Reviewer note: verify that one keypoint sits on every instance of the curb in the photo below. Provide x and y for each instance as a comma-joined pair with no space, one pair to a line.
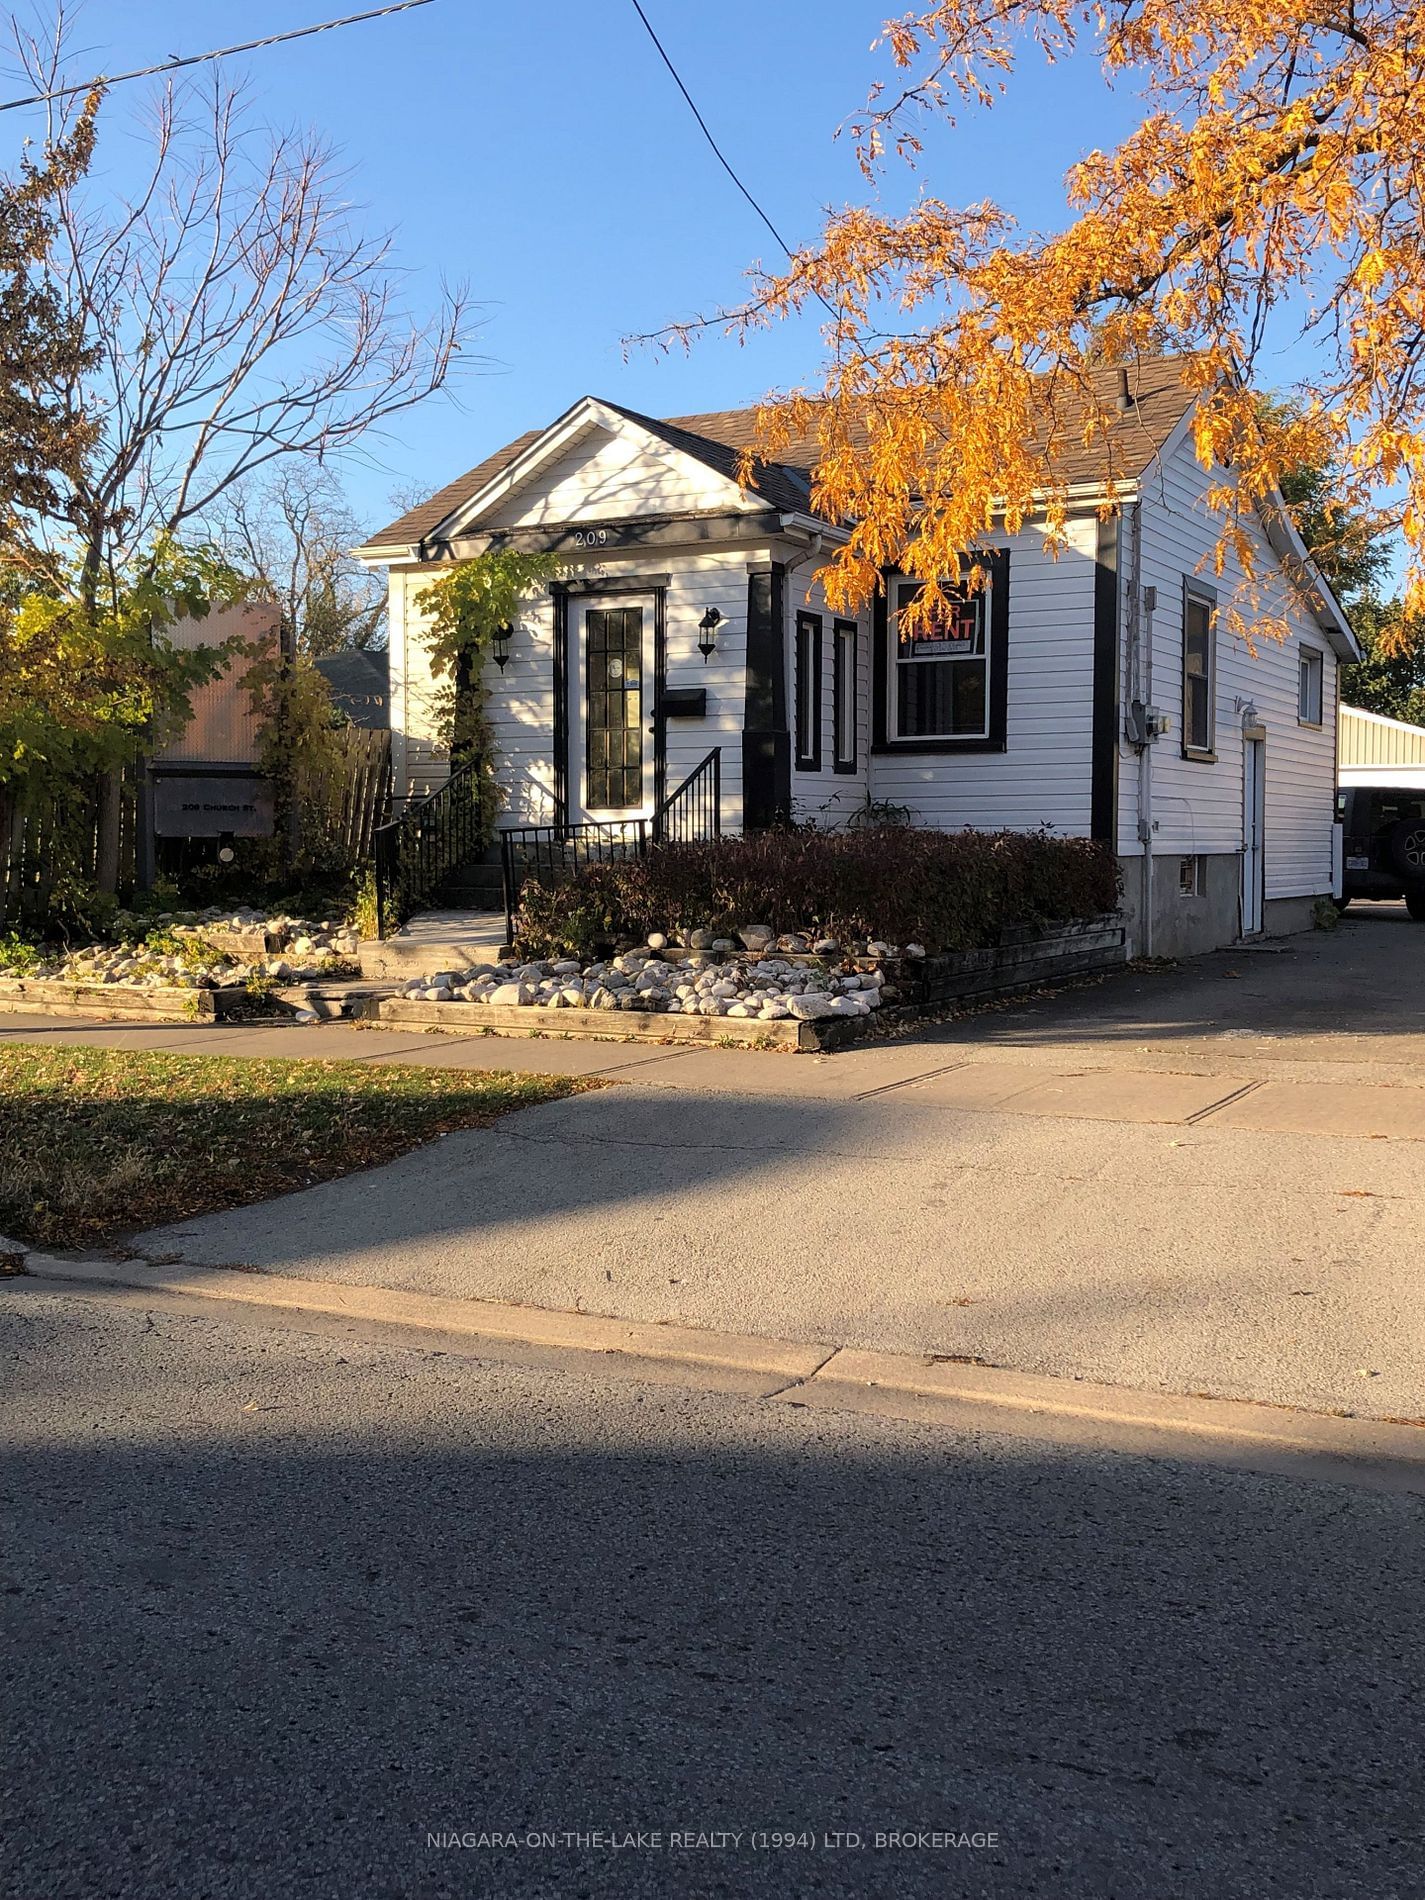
919,1388
783,1361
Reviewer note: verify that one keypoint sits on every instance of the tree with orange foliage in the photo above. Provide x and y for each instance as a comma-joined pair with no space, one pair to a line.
1278,173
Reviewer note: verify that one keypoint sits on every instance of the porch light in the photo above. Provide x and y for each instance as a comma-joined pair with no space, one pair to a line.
707,627
503,636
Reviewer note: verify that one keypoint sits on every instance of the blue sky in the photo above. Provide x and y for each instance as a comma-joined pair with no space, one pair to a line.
542,154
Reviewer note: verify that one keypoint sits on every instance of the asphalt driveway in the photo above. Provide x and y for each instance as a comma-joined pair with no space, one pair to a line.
1205,1179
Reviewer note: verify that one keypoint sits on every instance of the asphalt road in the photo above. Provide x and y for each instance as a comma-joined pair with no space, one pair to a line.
279,1608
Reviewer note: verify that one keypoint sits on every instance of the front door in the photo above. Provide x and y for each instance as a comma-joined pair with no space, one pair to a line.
613,749
1254,809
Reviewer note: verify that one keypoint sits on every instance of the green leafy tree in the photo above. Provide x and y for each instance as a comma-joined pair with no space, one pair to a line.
464,609
44,438
1391,678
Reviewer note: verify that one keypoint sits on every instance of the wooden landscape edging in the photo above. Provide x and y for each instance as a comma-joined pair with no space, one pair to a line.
39,996
926,985
609,1025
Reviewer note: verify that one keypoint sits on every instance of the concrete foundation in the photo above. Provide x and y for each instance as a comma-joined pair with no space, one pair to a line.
1187,925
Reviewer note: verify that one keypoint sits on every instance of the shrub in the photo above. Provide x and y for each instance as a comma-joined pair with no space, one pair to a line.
947,890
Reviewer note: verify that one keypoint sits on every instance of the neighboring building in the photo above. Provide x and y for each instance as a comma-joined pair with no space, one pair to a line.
206,783
1036,705
1375,750
358,679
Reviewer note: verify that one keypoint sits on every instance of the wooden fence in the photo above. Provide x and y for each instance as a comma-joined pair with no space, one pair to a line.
365,796
57,843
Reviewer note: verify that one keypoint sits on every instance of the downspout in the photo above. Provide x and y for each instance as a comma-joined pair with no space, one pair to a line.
1148,600
1140,672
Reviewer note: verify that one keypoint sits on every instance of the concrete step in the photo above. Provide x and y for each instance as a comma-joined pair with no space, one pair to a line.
476,888
334,1002
435,940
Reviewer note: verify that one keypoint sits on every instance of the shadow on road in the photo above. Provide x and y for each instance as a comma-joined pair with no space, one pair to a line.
271,1621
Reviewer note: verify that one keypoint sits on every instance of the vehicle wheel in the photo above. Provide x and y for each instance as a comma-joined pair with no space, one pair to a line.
1415,904
1407,848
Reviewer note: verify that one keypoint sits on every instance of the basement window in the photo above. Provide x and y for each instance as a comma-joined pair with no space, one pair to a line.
1192,876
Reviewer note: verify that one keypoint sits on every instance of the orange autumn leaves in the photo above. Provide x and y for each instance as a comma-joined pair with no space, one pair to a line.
1271,191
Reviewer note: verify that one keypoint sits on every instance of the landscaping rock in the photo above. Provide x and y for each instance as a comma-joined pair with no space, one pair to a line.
507,995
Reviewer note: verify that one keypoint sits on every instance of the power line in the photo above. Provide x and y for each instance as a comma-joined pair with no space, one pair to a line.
222,52
703,127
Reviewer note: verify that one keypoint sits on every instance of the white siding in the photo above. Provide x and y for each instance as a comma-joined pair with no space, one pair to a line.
1043,777
699,580
521,699
827,797
418,763
607,477
1197,805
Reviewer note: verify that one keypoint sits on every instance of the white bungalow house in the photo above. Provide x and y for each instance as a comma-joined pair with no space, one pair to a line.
1092,694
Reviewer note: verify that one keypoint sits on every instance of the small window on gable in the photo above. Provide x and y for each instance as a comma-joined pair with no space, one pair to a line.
808,701
1199,672
1308,686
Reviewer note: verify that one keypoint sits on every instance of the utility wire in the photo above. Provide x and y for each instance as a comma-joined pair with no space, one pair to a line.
222,52
703,127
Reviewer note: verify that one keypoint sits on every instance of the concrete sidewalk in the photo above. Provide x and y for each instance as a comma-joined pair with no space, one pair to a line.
1112,1183
960,1072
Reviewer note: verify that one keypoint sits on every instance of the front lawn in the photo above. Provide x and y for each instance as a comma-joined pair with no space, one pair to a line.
94,1142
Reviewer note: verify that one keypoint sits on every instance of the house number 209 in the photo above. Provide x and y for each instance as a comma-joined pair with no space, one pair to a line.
591,537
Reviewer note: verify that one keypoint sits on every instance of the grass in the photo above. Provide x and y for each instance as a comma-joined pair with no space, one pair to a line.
98,1142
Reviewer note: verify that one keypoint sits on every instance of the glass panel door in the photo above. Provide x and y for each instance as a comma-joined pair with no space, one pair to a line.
613,709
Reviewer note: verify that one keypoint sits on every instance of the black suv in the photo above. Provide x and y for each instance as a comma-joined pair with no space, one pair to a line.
1384,830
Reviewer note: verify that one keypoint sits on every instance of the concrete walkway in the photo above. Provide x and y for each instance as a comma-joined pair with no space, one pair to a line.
1203,1181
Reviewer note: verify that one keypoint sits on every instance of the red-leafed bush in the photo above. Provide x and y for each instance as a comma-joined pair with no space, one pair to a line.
955,890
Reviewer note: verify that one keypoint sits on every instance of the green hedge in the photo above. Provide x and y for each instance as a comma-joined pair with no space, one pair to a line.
955,890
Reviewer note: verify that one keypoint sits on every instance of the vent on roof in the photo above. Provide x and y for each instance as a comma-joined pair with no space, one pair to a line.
1126,398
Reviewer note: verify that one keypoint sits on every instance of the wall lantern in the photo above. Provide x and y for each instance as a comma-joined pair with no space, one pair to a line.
503,636
707,627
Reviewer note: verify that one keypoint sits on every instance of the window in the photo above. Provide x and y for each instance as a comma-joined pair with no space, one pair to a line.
1192,877
1308,687
843,695
808,692
1199,671
940,672
613,709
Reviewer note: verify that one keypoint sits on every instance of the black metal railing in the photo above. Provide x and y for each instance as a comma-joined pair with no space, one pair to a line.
693,812
416,854
549,854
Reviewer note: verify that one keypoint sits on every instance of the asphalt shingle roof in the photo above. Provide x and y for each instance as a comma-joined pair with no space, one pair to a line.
717,438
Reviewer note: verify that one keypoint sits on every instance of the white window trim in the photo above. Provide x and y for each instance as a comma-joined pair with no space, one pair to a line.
1195,593
985,658
1311,663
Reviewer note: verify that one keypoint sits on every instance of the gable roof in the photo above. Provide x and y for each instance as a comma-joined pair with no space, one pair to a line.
717,438
359,680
